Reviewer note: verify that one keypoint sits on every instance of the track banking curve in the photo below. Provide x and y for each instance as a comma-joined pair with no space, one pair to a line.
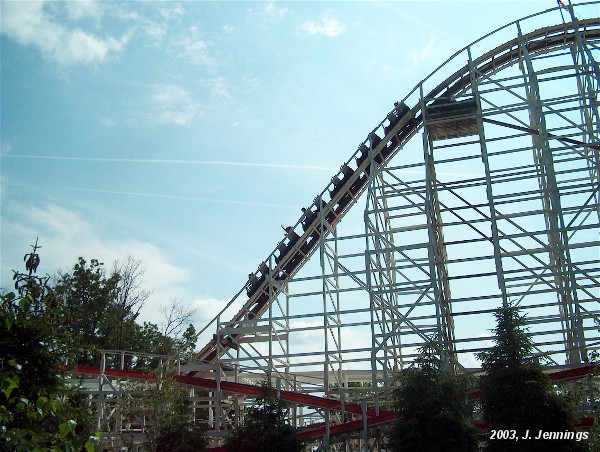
378,149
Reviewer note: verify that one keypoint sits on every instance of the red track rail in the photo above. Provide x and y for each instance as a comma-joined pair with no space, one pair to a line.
373,419
297,397
237,388
560,375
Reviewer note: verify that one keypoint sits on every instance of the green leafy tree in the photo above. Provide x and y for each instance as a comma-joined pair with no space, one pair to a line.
149,339
186,344
40,409
101,310
173,338
265,428
168,417
431,408
517,397
86,297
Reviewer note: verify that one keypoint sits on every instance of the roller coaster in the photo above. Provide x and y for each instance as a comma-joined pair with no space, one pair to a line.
496,204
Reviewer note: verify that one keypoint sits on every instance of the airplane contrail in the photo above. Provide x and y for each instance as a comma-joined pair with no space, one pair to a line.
173,161
212,162
178,197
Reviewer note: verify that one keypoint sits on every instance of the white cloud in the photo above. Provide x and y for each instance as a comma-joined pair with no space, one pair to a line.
208,308
272,10
196,50
250,84
65,235
82,9
328,169
107,121
219,89
266,12
192,48
59,222
470,361
173,11
30,24
155,31
173,105
328,26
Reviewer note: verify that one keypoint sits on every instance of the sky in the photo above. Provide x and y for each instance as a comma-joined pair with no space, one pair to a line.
184,134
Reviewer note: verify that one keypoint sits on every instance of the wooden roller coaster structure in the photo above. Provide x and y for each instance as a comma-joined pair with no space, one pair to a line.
451,111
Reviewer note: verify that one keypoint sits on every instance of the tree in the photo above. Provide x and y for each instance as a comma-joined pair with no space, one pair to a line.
517,397
88,309
431,408
86,296
39,409
176,315
169,424
178,329
129,298
265,428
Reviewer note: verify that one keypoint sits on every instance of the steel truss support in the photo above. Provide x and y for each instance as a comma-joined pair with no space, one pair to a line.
588,74
558,240
493,214
332,340
256,345
381,282
497,204
438,256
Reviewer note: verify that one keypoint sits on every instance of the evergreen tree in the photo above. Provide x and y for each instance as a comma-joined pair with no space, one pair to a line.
431,408
517,397
265,428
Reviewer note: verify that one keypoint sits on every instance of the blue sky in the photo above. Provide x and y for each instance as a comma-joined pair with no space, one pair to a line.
184,134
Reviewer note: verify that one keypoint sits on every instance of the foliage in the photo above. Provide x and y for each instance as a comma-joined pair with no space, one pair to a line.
86,297
182,438
39,409
431,408
100,311
517,395
150,339
43,327
167,416
265,428
587,392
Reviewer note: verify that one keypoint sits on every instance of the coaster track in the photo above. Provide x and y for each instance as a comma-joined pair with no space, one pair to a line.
399,126
369,417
